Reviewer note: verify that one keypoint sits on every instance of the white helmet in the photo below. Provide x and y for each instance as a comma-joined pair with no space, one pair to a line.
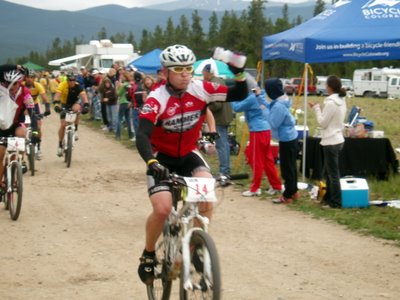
13,76
177,55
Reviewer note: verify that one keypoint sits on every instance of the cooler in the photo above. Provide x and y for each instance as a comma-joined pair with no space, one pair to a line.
354,192
301,131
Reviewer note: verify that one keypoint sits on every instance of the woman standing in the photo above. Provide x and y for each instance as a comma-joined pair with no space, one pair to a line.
283,129
331,120
258,152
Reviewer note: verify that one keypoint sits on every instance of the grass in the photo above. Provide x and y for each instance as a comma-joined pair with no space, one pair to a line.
380,222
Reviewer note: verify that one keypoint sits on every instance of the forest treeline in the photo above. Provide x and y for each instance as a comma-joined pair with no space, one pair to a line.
241,31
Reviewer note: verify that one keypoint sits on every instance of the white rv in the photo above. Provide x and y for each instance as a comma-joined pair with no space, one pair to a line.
375,82
97,54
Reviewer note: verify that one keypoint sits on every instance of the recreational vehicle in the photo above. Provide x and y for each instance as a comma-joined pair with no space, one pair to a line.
375,82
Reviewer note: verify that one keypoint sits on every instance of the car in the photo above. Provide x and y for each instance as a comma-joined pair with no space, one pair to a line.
293,86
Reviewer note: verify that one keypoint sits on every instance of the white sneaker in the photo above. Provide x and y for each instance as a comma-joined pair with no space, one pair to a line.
38,155
133,139
251,194
76,136
272,191
60,151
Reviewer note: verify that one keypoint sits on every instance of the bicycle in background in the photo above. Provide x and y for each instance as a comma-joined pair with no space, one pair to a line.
12,195
69,135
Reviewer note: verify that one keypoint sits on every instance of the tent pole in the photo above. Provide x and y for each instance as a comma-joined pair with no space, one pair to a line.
303,170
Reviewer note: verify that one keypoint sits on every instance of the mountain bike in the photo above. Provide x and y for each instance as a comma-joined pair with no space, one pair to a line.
31,147
184,250
69,135
12,195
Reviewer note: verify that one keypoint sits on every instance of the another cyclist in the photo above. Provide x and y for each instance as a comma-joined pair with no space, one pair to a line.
37,89
11,77
169,126
68,96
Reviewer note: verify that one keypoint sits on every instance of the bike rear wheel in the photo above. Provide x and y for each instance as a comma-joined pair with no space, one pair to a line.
204,272
68,154
161,287
14,196
31,158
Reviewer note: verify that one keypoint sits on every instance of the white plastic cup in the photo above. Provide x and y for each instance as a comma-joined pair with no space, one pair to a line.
237,60
226,56
218,53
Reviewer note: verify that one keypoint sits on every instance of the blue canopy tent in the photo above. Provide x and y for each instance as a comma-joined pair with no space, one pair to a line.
148,63
347,31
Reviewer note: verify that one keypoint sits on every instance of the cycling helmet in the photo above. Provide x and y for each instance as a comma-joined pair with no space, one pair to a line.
12,76
177,55
32,73
71,76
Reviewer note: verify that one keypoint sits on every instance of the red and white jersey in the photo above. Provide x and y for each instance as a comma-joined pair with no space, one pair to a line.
177,119
24,100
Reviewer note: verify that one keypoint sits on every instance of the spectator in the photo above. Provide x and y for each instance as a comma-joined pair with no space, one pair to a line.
124,105
283,129
223,115
331,120
137,95
110,99
258,151
148,83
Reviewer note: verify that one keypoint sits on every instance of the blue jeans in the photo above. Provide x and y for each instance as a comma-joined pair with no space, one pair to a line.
333,196
124,113
112,116
135,119
222,145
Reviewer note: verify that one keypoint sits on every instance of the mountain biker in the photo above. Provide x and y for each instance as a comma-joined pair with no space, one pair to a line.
68,96
11,77
169,126
36,89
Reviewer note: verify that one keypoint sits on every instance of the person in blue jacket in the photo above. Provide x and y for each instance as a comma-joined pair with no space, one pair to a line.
258,151
283,129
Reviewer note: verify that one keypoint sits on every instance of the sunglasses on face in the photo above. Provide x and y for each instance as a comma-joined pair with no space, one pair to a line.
178,69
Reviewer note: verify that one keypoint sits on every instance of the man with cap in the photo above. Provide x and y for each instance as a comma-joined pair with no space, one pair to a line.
223,115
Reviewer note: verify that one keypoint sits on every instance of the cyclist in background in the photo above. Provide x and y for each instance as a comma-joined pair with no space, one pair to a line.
11,77
68,96
169,126
36,89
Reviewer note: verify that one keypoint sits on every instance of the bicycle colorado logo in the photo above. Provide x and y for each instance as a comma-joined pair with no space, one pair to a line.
381,9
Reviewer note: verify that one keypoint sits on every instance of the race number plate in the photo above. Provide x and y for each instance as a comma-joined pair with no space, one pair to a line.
200,189
70,117
15,144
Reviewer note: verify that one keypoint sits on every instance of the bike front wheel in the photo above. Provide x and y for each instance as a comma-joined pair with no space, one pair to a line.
160,289
31,158
204,280
14,195
68,154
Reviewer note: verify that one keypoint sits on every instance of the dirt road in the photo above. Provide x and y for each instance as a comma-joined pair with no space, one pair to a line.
81,232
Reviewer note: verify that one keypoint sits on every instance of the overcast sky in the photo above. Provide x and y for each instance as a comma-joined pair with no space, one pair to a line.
83,4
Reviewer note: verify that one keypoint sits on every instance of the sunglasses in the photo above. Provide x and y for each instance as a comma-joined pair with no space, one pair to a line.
188,69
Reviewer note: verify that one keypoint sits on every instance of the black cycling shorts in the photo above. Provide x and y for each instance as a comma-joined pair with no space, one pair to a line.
10,131
184,166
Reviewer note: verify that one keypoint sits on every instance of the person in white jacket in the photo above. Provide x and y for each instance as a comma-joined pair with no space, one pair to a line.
331,120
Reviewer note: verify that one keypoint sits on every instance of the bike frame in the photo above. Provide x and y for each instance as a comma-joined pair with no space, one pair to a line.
185,217
11,157
70,118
